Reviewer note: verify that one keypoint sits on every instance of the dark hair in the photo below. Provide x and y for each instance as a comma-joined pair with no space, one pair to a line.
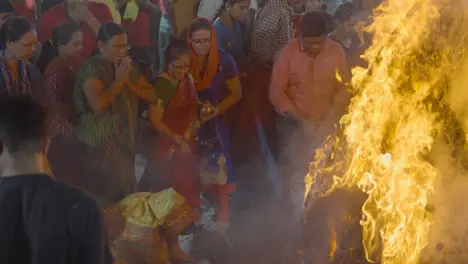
108,30
344,12
324,7
22,124
221,9
174,50
199,24
313,25
13,30
224,6
6,7
62,34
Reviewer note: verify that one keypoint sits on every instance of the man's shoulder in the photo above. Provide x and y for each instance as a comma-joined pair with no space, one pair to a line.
100,11
333,44
277,5
291,46
95,6
55,13
43,189
70,194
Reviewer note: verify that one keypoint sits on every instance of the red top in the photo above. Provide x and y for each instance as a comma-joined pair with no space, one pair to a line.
138,31
22,10
58,15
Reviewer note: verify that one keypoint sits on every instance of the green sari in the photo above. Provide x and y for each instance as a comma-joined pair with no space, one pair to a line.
108,135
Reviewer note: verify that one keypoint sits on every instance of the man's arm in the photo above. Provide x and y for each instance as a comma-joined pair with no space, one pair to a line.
150,6
284,30
342,97
98,14
279,84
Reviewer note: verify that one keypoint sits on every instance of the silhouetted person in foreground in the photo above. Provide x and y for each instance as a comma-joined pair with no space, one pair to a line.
41,220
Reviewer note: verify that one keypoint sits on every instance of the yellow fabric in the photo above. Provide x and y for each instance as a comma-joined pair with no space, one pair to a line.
131,10
150,209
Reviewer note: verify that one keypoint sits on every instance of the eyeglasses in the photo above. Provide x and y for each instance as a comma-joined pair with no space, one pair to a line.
200,42
124,47
180,67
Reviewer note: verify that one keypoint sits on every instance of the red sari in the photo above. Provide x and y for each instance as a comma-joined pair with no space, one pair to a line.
64,151
167,166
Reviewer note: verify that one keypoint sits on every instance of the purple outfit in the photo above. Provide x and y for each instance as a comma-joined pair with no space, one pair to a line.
213,137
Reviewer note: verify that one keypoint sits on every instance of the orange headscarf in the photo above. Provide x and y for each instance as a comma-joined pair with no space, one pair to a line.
203,82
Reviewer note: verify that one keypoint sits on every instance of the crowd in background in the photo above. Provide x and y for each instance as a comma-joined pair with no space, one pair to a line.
221,98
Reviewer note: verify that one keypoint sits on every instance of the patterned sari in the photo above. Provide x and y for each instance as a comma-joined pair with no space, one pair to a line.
108,135
65,151
167,166
17,81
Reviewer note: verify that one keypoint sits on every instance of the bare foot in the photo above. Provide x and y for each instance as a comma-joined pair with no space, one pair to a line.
178,254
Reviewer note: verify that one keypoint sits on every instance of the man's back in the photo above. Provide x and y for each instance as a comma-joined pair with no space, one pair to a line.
45,221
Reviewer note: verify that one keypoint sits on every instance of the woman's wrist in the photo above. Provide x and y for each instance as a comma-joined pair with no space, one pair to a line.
178,140
216,111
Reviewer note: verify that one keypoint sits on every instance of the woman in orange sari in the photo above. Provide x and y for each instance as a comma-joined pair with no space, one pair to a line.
171,159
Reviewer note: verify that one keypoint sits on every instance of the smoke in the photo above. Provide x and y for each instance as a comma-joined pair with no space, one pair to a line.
448,236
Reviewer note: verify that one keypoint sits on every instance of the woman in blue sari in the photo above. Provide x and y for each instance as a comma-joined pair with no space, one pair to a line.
218,86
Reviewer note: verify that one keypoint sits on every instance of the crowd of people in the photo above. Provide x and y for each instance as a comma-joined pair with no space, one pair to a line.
200,89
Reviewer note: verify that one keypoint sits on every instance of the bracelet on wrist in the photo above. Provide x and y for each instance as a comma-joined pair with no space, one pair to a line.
180,142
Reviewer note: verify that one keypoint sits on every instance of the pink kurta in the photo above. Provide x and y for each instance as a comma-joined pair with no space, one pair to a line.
309,85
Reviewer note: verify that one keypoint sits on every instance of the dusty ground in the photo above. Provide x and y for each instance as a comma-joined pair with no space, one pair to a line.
259,231
257,236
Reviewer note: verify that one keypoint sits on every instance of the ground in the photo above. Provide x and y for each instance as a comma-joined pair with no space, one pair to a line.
259,232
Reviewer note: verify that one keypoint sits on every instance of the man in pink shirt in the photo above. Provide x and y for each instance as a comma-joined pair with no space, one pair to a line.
308,90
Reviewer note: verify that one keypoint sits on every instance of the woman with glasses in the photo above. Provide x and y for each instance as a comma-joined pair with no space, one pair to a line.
105,96
18,39
217,83
171,159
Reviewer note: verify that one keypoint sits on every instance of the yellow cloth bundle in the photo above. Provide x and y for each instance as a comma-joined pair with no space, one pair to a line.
131,10
150,209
